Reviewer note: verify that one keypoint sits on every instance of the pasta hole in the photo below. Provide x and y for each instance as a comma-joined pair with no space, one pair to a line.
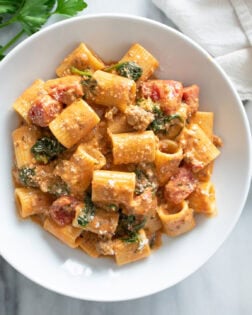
168,146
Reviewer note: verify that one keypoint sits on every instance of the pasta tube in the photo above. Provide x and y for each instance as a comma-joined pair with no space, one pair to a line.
74,123
66,89
111,90
205,121
133,147
103,223
24,101
202,200
88,242
129,252
67,234
81,58
167,160
142,58
199,150
113,187
31,201
78,171
23,139
176,222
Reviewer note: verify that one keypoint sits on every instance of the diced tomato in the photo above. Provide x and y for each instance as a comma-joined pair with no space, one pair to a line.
43,110
66,93
62,211
180,186
167,93
191,98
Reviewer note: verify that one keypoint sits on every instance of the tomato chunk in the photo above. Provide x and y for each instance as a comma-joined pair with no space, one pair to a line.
167,93
62,211
191,98
43,110
180,186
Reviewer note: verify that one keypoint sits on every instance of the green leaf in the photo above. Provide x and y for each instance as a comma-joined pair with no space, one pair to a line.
9,6
1,55
128,226
132,238
84,73
46,149
88,212
27,176
70,7
170,125
34,14
127,69
59,188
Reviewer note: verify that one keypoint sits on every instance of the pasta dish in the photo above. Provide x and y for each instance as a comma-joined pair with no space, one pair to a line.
108,158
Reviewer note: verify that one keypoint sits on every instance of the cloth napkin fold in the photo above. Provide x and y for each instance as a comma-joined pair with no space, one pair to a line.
223,28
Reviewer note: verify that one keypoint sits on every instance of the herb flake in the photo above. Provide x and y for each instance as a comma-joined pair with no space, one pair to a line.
127,69
47,149
88,212
26,176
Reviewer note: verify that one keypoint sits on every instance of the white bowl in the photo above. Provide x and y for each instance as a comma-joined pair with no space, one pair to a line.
48,262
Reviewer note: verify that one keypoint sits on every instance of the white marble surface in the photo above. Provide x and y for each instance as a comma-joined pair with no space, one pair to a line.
221,286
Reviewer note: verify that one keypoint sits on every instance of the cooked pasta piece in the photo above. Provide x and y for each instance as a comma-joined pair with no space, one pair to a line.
111,90
133,147
143,204
96,154
142,58
205,174
199,150
155,239
66,89
31,201
102,223
118,123
81,58
113,187
202,200
23,139
126,252
88,243
167,160
73,123
153,222
177,219
205,121
67,234
24,101
78,171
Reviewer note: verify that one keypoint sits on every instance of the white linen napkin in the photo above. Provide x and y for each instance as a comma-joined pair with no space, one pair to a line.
223,28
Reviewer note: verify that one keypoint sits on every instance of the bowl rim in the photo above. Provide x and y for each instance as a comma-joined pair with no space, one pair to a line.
147,292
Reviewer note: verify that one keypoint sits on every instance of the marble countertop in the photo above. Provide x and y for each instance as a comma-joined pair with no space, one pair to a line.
222,286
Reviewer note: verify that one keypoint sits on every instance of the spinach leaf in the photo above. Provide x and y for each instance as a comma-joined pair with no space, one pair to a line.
88,212
47,149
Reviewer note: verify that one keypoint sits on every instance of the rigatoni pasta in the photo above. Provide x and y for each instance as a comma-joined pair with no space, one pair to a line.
143,58
133,147
75,122
23,139
81,58
108,158
111,90
25,100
